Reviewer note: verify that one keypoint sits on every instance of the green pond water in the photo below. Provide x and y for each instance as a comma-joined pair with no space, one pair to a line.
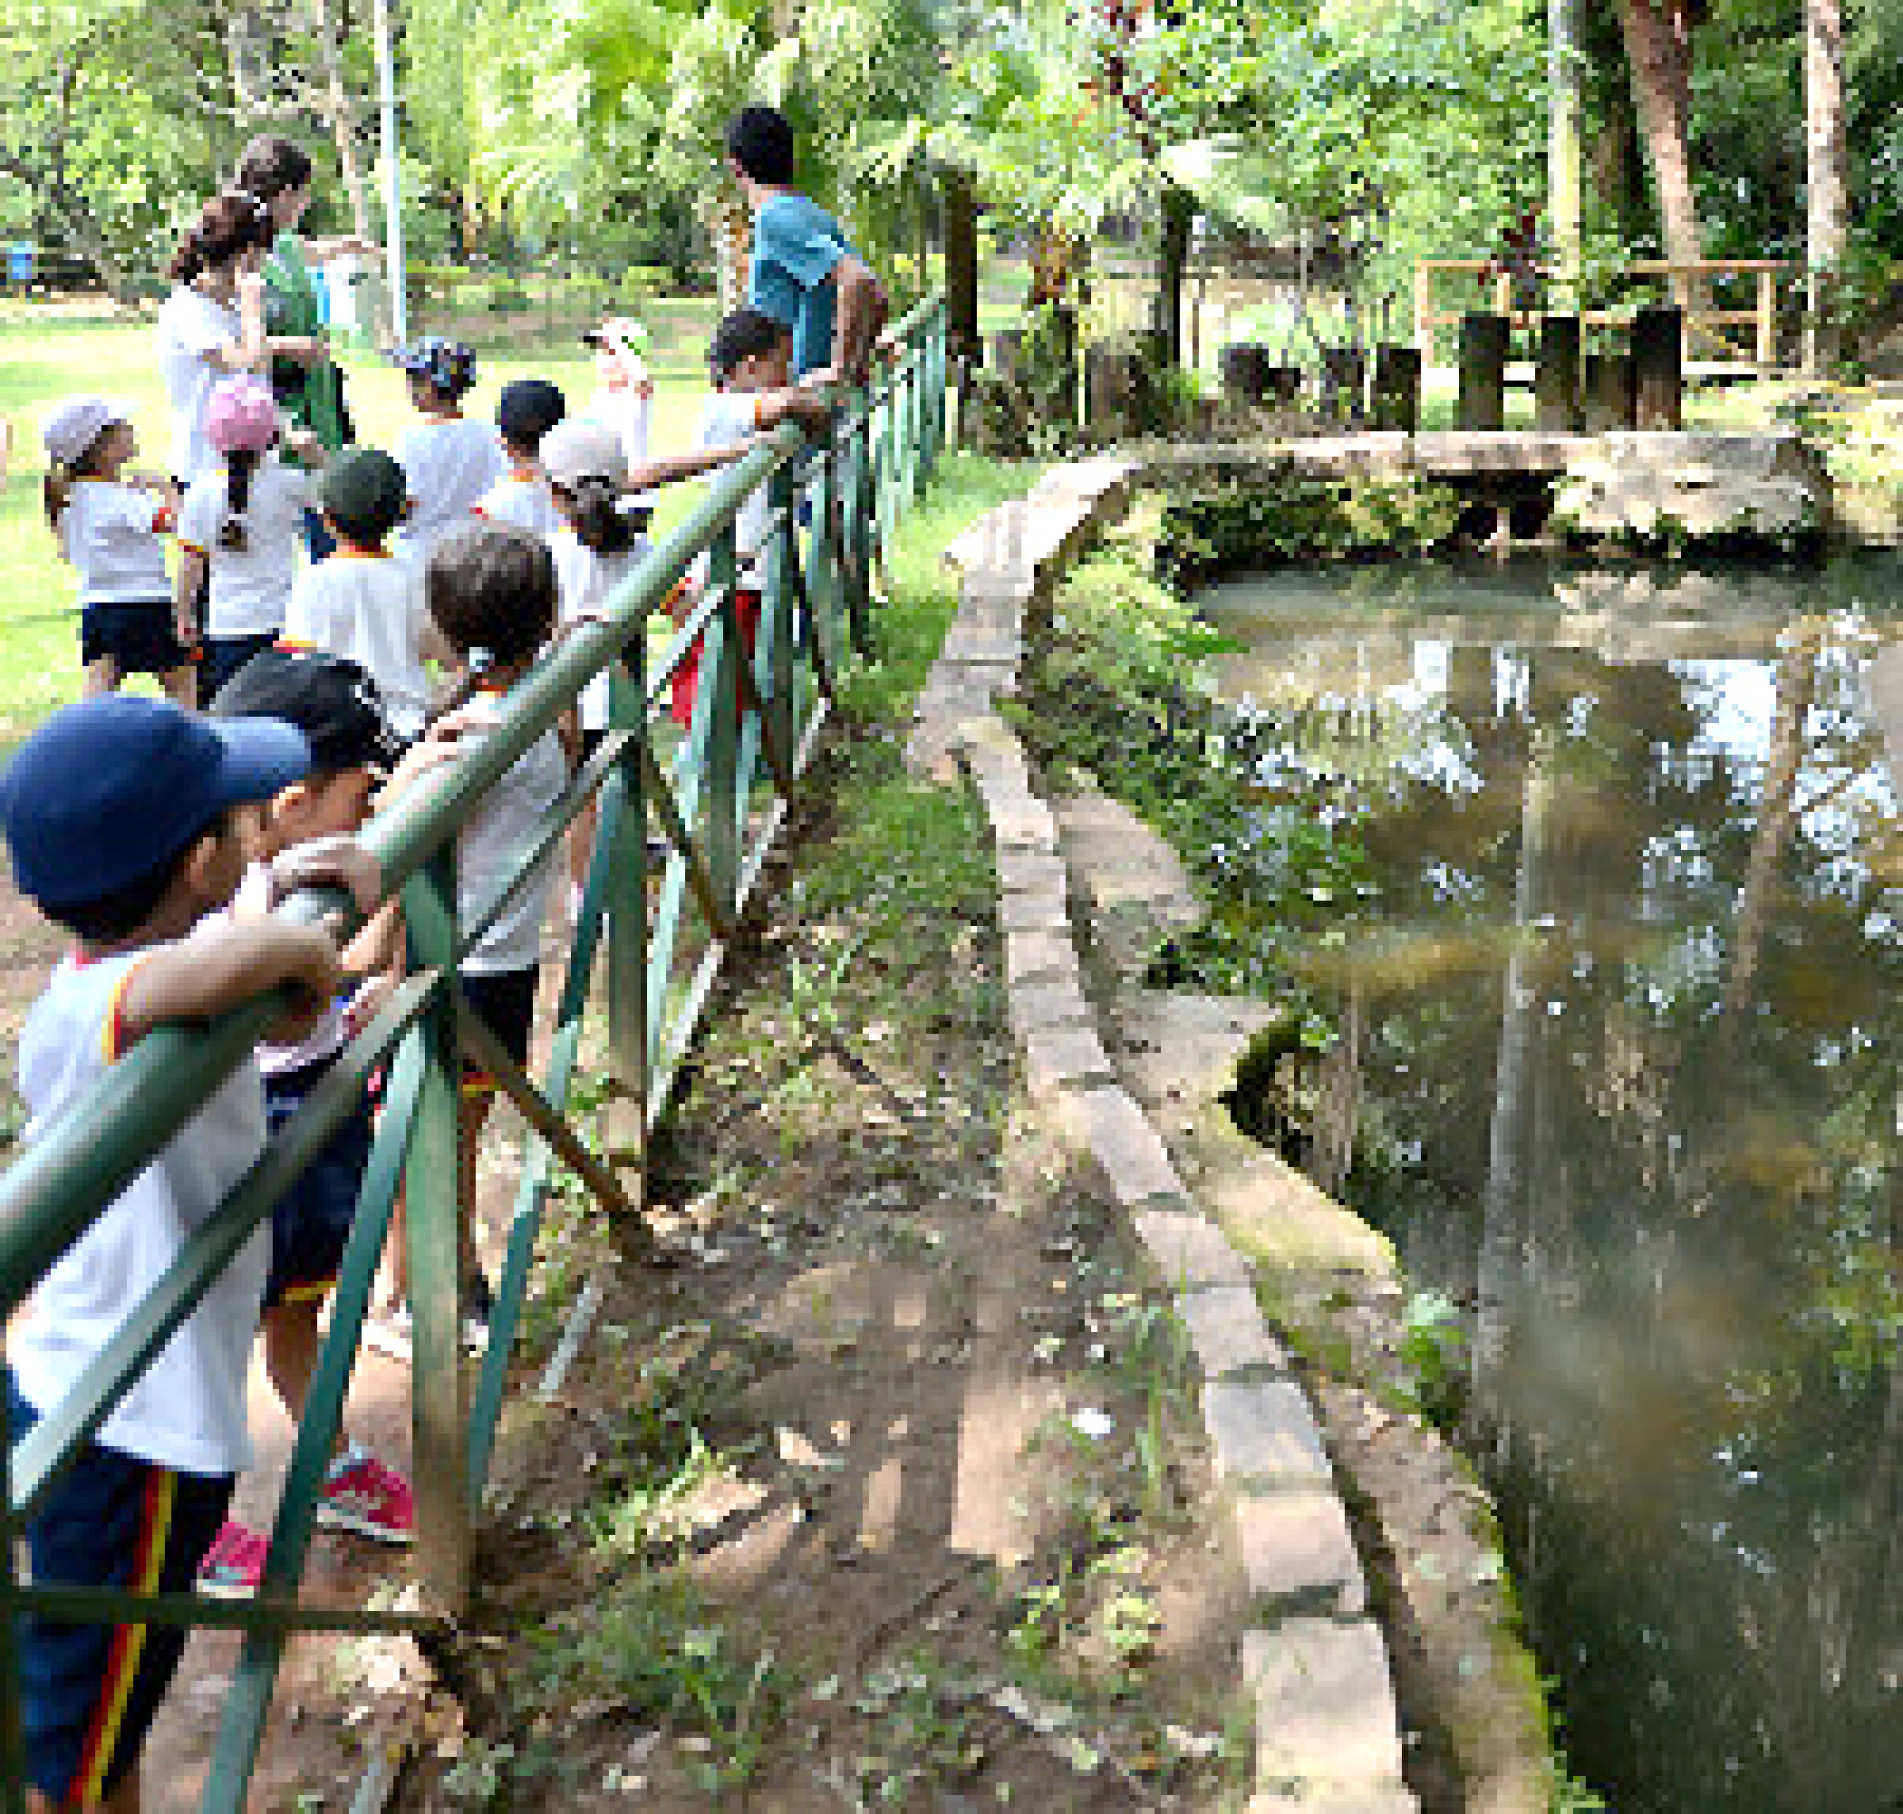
1619,1073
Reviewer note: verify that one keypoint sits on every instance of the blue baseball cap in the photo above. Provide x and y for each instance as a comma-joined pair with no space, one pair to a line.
107,790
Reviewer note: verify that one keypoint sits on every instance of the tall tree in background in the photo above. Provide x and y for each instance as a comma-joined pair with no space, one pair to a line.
1826,169
1658,42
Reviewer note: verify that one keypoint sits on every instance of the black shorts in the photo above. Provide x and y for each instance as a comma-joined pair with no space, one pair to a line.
505,999
136,638
224,656
310,1223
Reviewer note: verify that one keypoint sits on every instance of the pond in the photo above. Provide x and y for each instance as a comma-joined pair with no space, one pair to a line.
1620,1026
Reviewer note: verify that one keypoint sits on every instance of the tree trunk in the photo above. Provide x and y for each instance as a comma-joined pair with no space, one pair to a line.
1564,179
1658,48
1826,169
340,115
732,229
1179,217
961,263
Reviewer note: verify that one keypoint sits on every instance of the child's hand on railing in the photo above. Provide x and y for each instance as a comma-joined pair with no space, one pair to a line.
328,863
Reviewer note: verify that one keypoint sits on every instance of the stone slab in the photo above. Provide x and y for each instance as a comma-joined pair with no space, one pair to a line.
1298,1554
1264,1435
1031,955
1109,1126
966,642
1048,1004
1325,1714
1227,1331
1368,1798
1024,820
1057,1058
1036,910
1023,871
1187,1249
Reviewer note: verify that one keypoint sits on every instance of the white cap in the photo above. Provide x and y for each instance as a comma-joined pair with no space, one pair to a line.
74,425
579,449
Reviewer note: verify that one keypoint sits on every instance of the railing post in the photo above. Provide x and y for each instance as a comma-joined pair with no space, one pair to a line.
432,1220
855,538
823,560
626,1125
778,707
719,655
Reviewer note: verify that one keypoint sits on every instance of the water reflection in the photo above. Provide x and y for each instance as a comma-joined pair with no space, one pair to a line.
1627,1043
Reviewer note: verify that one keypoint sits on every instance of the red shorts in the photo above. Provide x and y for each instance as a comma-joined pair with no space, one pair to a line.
687,676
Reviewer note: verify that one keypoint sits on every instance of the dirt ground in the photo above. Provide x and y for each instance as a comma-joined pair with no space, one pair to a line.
888,1494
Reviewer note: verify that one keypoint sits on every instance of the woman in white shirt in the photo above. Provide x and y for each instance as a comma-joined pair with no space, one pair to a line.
212,324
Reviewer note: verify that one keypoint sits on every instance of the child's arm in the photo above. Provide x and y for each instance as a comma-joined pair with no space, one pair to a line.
673,468
185,593
223,964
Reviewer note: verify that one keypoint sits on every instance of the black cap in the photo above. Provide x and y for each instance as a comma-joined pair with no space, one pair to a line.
528,408
363,493
334,702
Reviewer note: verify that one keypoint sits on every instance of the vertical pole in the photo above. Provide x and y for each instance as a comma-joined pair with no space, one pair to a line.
1565,69
776,618
1557,408
627,1121
719,651
12,1739
856,530
1657,354
823,560
1483,371
432,1215
394,272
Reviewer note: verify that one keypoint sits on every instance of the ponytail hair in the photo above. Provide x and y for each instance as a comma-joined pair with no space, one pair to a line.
241,464
56,489
232,223
595,514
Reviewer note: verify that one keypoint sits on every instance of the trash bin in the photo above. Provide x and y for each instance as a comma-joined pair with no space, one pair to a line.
20,264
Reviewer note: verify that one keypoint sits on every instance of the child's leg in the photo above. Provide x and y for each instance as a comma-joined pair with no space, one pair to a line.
181,686
291,1342
89,1692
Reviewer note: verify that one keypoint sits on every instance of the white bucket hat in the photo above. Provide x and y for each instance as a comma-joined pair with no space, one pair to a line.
578,449
74,425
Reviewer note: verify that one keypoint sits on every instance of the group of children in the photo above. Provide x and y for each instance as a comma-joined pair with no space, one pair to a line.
160,836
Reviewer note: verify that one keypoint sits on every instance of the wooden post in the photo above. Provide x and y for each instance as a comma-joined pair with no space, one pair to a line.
1767,320
1610,398
1483,370
1424,311
1397,388
1245,373
1659,373
1344,380
961,264
1556,380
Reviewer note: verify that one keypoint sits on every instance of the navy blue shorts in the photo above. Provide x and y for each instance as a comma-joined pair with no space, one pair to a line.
311,1222
136,638
505,999
224,656
88,1692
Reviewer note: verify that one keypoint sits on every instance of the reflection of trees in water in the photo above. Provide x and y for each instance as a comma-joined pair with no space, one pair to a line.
1653,1084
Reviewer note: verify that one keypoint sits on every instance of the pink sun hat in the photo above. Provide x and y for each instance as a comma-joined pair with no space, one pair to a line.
242,416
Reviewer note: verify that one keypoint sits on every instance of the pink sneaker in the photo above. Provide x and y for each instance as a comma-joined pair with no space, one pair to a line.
233,1567
360,1494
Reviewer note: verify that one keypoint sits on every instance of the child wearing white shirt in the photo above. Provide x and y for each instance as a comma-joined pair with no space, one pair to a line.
359,603
526,411
244,527
111,528
450,462
122,821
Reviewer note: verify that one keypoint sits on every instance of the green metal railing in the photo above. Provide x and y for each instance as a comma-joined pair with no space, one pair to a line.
718,801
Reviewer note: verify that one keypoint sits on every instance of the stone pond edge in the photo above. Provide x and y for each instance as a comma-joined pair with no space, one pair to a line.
1327,1731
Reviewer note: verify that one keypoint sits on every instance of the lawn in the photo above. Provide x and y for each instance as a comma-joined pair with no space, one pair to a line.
44,356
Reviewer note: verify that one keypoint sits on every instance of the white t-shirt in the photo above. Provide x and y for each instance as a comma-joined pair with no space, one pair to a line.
628,414
331,1033
449,466
188,1410
726,418
584,579
250,586
191,328
525,503
114,537
492,842
368,608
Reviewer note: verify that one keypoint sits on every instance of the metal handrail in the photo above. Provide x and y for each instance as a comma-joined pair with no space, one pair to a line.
745,735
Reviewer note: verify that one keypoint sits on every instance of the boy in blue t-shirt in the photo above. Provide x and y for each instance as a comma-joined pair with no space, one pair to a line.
805,272
124,820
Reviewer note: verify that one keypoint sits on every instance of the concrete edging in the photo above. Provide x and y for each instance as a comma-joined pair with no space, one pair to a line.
1327,1731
